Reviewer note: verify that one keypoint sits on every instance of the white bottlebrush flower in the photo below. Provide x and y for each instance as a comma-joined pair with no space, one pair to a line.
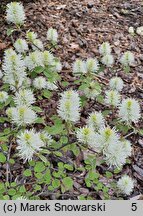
96,121
38,45
105,137
14,69
47,58
127,58
131,30
116,154
34,60
86,135
3,96
108,60
79,67
127,147
116,83
92,91
112,98
31,36
51,86
24,97
1,74
15,13
125,184
57,66
52,35
129,110
46,138
21,115
105,49
27,82
69,106
140,30
29,143
92,65
21,45
40,82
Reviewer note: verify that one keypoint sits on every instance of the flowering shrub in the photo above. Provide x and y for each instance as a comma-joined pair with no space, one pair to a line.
41,142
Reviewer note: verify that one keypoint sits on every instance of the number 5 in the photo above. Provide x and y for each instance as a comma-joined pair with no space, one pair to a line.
134,206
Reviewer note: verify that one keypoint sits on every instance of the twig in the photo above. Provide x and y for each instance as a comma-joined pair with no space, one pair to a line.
129,134
7,165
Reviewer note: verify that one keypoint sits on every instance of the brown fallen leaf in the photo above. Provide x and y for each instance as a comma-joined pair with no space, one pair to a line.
2,46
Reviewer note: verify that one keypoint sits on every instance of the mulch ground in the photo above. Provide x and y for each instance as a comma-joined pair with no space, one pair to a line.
82,26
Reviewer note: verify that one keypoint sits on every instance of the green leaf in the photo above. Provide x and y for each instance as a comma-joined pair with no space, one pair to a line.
109,174
56,129
38,69
37,109
2,158
52,76
100,99
67,183
58,154
68,167
9,31
22,189
65,84
12,161
39,167
40,121
56,183
3,119
127,69
140,132
43,158
37,187
11,191
46,93
47,177
27,172
50,188
93,175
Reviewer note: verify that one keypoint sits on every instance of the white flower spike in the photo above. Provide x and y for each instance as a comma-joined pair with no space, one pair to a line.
29,143
3,96
116,83
21,45
69,106
125,185
129,110
112,98
79,67
127,58
105,49
15,13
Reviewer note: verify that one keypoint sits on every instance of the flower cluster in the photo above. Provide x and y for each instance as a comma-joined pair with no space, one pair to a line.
112,98
14,69
127,59
96,121
21,115
29,142
21,46
105,51
69,106
129,110
24,97
15,13
116,83
52,35
125,185
3,96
